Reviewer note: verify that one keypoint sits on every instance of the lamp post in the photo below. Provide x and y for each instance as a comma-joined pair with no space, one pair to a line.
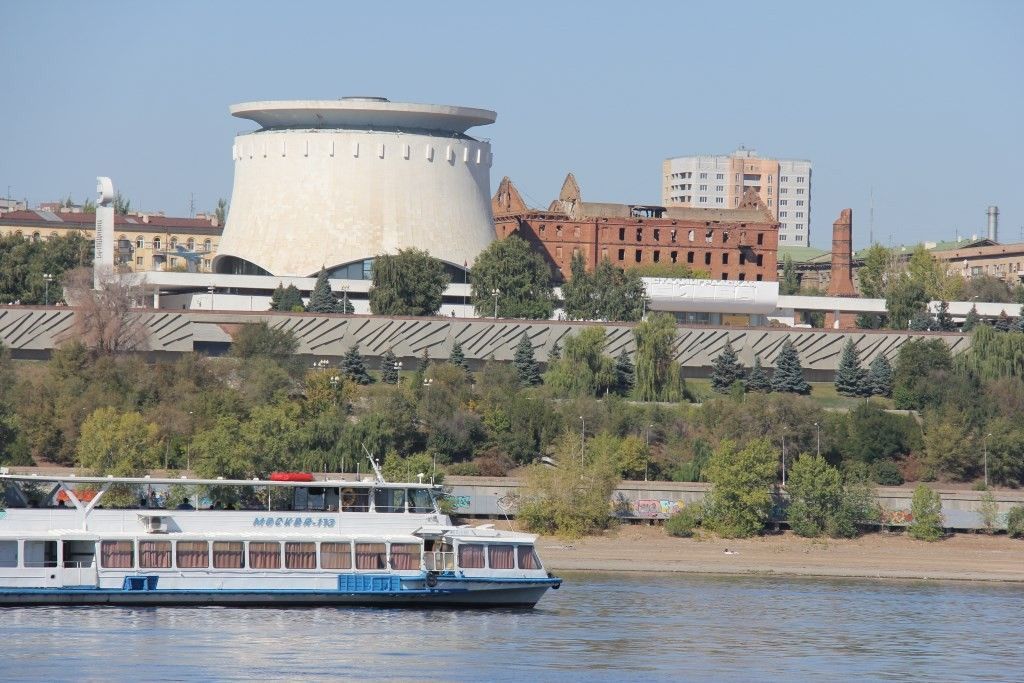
344,296
495,292
783,461
647,464
46,288
583,439
210,290
984,443
818,428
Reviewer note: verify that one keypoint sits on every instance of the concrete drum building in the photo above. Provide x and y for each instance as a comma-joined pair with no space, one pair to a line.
334,183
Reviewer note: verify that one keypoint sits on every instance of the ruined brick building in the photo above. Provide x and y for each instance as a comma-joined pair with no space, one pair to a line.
727,244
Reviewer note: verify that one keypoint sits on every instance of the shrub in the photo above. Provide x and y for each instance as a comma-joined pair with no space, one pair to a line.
683,523
740,501
926,508
816,491
886,473
989,510
1015,522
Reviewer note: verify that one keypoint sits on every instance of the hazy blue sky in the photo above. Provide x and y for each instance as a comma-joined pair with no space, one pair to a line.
920,100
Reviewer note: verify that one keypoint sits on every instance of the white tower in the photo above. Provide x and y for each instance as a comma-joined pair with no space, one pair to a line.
334,183
103,242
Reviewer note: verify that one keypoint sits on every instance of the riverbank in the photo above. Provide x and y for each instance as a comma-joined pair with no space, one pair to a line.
966,557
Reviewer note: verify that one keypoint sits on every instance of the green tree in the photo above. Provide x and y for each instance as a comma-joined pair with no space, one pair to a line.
726,370
913,380
905,298
790,283
880,378
874,434
322,299
521,276
926,510
221,212
354,368
1002,323
625,373
277,297
1015,522
410,282
289,300
851,379
262,340
116,443
389,368
816,494
789,374
583,369
122,205
950,444
1005,445
609,293
578,292
555,353
658,376
876,271
971,319
993,354
943,320
740,500
526,365
456,357
758,381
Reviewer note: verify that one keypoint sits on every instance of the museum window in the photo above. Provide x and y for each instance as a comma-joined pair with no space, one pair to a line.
622,234
639,234
707,258
725,276
672,236
759,277
207,245
656,256
725,259
743,258
622,254
174,243
674,256
691,235
760,259
689,257
637,255
558,253
743,276
576,231
760,238
156,243
604,252
657,235
140,242
558,231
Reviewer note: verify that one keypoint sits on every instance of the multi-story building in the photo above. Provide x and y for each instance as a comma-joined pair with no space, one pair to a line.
1003,261
7,205
737,243
720,182
145,242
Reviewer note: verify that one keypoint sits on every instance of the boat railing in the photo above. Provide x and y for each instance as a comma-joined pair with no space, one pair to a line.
78,564
47,564
437,561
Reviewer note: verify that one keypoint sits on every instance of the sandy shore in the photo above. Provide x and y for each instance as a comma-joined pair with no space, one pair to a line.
891,556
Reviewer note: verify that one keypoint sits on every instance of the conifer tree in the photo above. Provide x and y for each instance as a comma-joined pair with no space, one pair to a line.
525,363
921,321
971,321
457,357
276,297
880,376
625,373
790,281
851,379
789,374
758,380
555,354
291,299
389,368
354,368
1018,324
943,320
423,362
321,300
726,369
343,305
1003,322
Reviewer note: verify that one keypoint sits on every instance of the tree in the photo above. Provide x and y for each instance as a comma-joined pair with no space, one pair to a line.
726,369
322,299
353,366
879,380
521,276
578,292
904,299
758,381
122,205
625,373
389,368
740,501
971,320
221,212
789,374
262,340
790,283
921,321
657,373
104,320
410,282
950,444
583,370
988,288
815,493
609,293
120,444
876,272
943,320
932,275
851,380
277,297
289,300
526,365
916,360
1002,322
457,357
555,353
926,510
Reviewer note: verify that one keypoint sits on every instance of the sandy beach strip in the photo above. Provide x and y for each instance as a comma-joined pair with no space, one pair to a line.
966,557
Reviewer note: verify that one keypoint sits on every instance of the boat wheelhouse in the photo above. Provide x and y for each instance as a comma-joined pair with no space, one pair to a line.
71,540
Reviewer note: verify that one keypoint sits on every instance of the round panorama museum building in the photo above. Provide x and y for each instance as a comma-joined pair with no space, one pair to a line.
335,182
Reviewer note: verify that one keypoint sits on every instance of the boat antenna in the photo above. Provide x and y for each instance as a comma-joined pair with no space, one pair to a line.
373,463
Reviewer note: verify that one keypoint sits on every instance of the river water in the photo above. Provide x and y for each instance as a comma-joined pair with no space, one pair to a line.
601,627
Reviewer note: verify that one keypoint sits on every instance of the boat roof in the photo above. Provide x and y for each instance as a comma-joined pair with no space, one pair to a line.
219,481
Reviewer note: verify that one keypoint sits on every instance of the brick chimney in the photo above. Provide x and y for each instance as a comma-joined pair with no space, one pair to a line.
841,283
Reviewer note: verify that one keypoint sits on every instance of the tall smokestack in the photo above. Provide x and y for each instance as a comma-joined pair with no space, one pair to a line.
993,223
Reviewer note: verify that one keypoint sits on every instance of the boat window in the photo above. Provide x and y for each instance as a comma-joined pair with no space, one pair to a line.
155,554
355,500
527,557
118,554
471,556
501,557
40,553
371,556
228,555
335,555
264,555
405,556
192,554
8,553
419,501
300,555
389,500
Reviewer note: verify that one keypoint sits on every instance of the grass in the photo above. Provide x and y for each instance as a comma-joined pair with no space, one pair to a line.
824,393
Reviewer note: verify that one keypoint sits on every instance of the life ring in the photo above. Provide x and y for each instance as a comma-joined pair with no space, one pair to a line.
431,579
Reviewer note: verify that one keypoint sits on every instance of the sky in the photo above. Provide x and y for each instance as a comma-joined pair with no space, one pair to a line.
917,105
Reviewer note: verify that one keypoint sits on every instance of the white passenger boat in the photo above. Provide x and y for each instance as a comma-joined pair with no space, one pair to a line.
258,542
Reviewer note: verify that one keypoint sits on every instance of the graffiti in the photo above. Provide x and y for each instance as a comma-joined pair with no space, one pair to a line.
654,509
508,503
460,502
897,517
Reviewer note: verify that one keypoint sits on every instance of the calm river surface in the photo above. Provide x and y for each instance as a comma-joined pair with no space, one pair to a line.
598,627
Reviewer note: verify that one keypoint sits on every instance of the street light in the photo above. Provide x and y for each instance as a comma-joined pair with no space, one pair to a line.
495,292
344,296
647,464
46,297
210,290
583,438
783,461
984,442
818,428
